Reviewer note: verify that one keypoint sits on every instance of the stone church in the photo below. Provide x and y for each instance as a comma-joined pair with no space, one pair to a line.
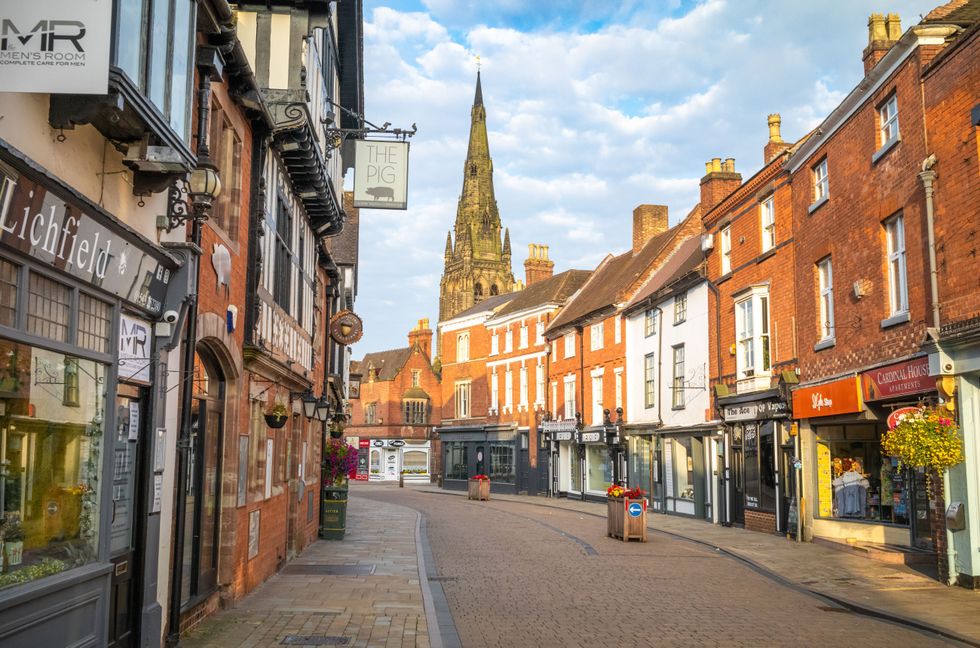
478,263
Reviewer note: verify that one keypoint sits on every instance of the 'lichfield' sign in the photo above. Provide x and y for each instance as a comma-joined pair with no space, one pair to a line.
40,224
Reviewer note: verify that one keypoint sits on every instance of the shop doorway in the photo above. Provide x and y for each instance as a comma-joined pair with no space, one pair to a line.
920,524
200,566
736,484
788,515
129,477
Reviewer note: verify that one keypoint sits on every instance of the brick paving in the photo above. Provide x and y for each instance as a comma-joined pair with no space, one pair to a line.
378,603
519,574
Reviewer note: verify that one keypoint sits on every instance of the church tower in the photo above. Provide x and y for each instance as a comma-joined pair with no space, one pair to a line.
478,263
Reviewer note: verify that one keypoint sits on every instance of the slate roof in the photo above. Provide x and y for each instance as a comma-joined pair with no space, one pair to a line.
614,275
686,259
553,290
388,363
490,303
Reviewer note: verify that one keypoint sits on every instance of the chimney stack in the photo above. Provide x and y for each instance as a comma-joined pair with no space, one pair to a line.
775,145
421,335
882,34
538,266
720,179
648,221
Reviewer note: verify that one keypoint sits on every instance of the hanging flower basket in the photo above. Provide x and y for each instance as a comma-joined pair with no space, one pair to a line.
479,488
626,514
275,421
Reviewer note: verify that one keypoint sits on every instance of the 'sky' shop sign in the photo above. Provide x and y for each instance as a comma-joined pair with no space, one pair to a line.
381,174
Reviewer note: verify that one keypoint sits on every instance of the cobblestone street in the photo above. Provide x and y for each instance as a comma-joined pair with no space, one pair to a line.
517,574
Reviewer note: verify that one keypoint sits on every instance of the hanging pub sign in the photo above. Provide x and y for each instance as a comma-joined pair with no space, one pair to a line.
381,174
346,327
55,46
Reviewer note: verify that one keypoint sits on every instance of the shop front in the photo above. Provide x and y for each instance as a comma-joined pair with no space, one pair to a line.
585,469
758,448
689,459
480,450
643,452
81,450
858,493
390,459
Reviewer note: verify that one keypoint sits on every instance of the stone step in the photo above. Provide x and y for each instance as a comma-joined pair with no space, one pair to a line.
886,553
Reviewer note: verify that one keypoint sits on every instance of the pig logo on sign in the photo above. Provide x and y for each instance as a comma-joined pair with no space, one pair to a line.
380,192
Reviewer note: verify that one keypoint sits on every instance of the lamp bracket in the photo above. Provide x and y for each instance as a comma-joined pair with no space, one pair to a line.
179,209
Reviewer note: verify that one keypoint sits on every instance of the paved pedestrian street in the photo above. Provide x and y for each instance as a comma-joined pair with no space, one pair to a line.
511,572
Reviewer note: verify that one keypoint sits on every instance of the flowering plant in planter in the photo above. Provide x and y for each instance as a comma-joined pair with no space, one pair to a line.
480,478
927,438
339,459
627,493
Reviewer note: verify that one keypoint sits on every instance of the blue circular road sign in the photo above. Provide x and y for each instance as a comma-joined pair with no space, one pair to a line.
635,509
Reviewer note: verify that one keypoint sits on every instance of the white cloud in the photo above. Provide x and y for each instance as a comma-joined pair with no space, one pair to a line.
588,116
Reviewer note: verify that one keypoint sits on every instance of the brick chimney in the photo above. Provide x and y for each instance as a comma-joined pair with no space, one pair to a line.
422,335
882,34
720,179
775,145
538,266
648,221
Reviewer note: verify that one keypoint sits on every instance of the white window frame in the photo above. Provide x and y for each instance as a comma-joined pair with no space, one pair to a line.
508,340
494,392
523,387
597,400
677,384
554,398
523,337
569,402
825,281
649,381
462,347
898,295
539,333
753,352
767,216
570,344
463,395
539,384
726,249
494,344
650,322
416,377
618,333
821,181
888,121
597,331
618,373
509,389
680,308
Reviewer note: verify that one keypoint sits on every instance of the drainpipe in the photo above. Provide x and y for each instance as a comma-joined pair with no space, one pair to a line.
928,176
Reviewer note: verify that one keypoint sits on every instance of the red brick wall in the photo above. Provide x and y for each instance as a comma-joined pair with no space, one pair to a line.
950,95
762,522
849,228
474,370
749,267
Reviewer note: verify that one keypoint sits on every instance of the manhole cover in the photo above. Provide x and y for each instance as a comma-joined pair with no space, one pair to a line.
314,640
328,570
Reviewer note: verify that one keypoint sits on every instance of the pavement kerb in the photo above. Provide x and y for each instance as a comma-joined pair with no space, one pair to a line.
848,604
431,621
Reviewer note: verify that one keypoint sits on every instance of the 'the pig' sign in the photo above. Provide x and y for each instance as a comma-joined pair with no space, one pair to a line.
381,174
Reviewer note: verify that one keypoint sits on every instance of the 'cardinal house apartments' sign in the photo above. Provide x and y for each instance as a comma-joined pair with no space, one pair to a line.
381,174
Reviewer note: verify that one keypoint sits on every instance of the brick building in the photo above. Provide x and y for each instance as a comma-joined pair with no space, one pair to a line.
587,364
749,238
396,406
864,297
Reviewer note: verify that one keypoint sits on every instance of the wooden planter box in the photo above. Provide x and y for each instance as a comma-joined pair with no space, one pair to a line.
620,524
479,489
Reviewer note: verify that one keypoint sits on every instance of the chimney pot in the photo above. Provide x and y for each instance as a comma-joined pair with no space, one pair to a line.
730,165
774,123
716,164
537,267
422,335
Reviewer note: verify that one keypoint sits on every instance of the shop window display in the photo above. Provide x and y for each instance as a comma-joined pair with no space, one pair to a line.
502,463
640,457
574,468
415,462
51,455
456,466
683,468
855,481
598,468
759,468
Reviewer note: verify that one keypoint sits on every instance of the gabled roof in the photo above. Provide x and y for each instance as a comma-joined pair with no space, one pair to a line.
553,290
388,363
686,259
488,304
608,283
956,11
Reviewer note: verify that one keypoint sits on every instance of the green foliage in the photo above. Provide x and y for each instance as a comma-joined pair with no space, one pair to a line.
928,438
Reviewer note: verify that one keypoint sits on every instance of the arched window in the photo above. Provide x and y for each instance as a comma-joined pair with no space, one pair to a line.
478,292
472,169
493,290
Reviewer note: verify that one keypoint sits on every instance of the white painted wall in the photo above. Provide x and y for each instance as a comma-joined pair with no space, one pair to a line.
693,333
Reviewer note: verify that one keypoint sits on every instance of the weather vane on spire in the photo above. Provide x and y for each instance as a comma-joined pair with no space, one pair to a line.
477,62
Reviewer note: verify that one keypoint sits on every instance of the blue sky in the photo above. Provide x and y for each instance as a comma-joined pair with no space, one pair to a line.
593,107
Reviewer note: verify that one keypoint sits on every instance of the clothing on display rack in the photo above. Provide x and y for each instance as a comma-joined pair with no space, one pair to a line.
851,494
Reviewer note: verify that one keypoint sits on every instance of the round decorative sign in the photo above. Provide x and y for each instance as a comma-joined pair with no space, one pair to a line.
346,327
896,415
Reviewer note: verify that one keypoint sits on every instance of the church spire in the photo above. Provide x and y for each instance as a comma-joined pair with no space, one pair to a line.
478,99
